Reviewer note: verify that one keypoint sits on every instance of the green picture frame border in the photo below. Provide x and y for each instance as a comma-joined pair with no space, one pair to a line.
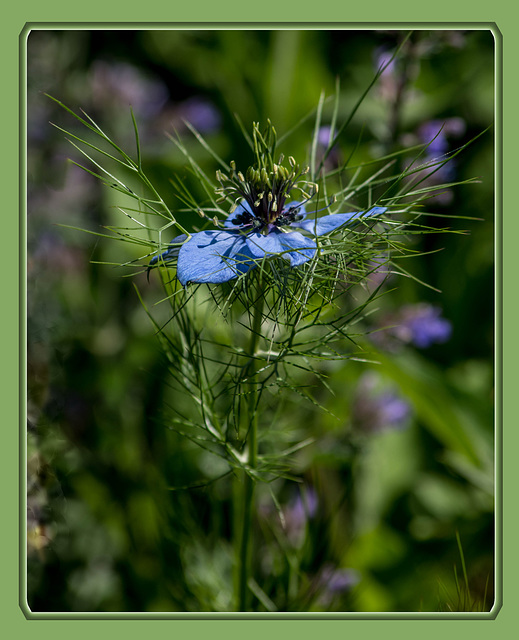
17,617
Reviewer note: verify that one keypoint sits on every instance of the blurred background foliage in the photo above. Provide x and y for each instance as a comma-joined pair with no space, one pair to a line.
121,516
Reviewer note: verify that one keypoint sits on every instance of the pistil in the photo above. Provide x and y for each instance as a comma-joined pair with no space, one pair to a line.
266,186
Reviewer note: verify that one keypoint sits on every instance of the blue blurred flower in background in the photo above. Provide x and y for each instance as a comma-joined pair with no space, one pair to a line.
388,85
324,140
335,581
378,409
118,84
438,166
421,325
436,134
302,508
199,112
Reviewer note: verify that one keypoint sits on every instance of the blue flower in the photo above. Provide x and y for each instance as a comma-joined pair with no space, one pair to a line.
378,409
426,326
421,325
265,220
252,232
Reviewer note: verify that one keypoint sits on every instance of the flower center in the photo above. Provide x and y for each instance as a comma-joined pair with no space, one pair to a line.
266,185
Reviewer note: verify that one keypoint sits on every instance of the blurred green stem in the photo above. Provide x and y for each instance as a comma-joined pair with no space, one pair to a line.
247,494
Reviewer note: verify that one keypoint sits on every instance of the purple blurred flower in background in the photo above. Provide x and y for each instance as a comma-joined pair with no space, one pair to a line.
324,135
302,508
379,272
383,60
333,581
333,159
119,84
378,409
389,83
436,134
421,325
199,112
295,515
52,255
396,87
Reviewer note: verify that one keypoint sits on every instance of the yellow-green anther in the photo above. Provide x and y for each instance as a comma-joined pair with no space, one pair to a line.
305,171
201,213
240,176
219,175
250,174
233,165
292,161
215,220
269,196
275,205
264,176
233,207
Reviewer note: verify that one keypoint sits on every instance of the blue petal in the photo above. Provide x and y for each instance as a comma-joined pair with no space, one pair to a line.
327,224
172,252
241,208
295,204
292,246
213,257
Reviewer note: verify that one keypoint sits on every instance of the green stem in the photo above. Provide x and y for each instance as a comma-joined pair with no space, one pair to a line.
244,546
